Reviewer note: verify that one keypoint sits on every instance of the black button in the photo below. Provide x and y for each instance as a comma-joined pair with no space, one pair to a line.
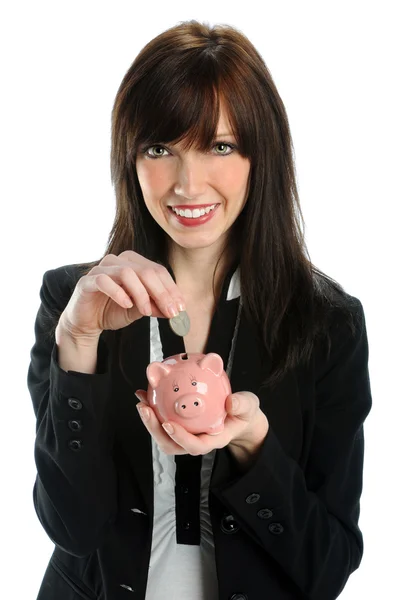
229,525
75,425
265,513
239,597
252,498
75,403
75,445
184,489
187,525
276,528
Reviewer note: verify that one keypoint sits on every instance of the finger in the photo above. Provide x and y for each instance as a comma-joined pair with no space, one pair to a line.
156,289
165,443
142,264
128,281
135,289
132,256
141,283
196,444
147,290
232,404
102,282
142,396
247,404
109,260
171,287
122,285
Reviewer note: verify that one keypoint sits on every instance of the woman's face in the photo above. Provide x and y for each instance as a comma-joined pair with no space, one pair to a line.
173,179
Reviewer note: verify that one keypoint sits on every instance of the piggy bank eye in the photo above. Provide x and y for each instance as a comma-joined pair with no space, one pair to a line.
193,382
176,389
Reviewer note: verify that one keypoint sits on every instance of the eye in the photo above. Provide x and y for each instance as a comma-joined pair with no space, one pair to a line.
231,146
159,147
150,148
193,383
176,389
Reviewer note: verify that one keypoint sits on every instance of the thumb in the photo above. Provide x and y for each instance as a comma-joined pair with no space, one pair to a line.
232,403
141,395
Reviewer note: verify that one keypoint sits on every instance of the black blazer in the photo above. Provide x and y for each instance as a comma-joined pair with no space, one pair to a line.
285,529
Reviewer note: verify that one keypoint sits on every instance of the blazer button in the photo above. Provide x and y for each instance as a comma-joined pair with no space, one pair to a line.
276,528
229,525
75,403
252,498
75,425
265,513
75,445
239,597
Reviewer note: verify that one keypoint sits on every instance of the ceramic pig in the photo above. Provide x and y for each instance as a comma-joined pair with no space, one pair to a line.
190,389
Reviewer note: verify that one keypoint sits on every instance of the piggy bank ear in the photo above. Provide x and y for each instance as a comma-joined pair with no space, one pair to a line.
213,362
155,372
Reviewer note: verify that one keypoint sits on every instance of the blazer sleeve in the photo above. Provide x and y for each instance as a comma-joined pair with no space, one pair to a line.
312,526
75,489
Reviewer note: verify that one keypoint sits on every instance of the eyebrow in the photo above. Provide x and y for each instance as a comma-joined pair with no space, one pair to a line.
219,135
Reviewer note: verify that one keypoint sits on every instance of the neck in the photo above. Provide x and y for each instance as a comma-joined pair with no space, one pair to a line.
194,271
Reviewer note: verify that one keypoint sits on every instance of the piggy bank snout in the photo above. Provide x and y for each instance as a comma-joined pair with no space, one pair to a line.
189,406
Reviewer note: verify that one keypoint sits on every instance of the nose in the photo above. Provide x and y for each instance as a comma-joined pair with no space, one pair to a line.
191,179
189,406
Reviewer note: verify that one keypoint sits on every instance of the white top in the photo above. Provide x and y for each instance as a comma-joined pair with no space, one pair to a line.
180,571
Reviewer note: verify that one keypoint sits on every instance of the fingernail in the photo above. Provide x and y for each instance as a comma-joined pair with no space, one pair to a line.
172,309
144,413
167,427
181,306
148,309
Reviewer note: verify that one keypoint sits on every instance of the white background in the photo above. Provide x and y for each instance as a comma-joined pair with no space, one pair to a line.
61,65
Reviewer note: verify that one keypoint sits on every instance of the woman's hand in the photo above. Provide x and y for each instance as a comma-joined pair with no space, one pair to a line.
120,290
243,427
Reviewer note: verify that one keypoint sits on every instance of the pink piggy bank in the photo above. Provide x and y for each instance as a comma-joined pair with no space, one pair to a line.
190,390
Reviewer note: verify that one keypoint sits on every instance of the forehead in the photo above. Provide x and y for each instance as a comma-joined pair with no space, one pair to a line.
223,122
224,127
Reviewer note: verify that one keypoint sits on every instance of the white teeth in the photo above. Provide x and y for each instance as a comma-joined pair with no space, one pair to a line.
197,212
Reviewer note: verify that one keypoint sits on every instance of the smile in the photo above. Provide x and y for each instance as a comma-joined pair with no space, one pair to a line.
195,213
195,217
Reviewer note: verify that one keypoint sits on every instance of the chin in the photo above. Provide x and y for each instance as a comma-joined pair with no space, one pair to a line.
191,244
194,239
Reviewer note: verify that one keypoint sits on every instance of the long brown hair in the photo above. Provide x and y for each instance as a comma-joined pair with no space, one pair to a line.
172,93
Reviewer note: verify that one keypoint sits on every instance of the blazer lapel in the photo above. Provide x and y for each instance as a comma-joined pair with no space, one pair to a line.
250,367
134,437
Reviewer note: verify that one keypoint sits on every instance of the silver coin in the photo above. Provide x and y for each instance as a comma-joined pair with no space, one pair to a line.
180,324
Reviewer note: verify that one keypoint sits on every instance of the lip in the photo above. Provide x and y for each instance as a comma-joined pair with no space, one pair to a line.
190,222
191,206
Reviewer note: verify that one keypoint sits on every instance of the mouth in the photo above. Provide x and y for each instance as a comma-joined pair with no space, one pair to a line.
191,216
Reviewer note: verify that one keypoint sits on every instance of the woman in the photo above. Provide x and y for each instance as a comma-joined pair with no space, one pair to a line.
269,508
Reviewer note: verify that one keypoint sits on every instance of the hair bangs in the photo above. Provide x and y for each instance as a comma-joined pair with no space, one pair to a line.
182,106
176,110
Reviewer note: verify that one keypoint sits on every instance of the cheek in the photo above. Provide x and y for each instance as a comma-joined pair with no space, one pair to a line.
202,388
234,179
152,179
